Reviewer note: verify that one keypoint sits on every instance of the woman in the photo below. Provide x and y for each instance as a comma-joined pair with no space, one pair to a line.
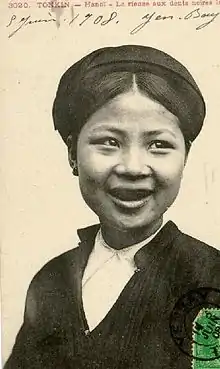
128,116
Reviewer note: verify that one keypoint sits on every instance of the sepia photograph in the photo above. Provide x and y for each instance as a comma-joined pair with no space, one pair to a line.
110,182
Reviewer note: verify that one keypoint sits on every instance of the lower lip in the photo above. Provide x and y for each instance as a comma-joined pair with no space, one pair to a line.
132,204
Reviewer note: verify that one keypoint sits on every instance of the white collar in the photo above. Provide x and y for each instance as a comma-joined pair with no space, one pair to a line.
127,253
102,253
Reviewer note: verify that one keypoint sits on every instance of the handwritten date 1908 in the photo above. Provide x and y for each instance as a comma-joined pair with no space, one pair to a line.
27,21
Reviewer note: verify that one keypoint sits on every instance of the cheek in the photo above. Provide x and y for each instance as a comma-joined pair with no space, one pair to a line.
92,177
170,173
95,166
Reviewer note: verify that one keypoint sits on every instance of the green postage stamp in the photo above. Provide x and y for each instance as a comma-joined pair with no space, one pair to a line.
206,339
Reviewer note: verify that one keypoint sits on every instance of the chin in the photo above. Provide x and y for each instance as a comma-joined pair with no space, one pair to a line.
125,223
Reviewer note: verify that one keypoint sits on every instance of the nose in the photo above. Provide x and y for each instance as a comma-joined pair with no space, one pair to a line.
134,163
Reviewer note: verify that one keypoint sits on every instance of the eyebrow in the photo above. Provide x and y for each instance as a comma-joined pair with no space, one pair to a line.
109,129
121,132
160,132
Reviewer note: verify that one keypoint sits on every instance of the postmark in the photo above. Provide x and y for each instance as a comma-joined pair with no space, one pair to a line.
184,325
206,339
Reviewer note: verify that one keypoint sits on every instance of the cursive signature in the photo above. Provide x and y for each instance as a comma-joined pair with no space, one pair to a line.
205,19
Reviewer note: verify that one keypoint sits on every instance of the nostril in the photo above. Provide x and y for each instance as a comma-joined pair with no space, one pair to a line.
134,172
134,163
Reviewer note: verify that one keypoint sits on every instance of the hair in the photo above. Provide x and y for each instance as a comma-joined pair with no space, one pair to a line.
93,95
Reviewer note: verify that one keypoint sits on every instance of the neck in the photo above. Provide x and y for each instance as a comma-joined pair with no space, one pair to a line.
119,239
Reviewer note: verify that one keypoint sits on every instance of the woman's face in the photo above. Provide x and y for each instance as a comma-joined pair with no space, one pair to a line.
130,156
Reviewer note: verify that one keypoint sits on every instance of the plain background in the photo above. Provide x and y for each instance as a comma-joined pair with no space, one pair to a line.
40,198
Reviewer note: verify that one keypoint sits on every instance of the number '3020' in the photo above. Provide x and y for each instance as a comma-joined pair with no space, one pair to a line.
18,5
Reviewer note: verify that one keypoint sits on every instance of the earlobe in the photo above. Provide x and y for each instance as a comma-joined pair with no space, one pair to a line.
186,156
73,164
188,144
70,151
72,155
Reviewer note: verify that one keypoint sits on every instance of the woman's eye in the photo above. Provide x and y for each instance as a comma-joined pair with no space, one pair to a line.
160,145
111,142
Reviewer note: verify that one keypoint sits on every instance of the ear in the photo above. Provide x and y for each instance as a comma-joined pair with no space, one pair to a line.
186,158
71,152
188,144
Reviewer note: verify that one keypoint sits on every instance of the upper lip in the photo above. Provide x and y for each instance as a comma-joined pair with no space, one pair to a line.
129,194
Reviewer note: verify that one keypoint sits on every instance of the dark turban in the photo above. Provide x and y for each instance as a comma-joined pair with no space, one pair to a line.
78,96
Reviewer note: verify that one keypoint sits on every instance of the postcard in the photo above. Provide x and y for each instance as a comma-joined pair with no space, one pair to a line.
110,177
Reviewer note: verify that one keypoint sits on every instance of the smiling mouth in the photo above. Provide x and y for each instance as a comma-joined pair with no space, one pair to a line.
129,199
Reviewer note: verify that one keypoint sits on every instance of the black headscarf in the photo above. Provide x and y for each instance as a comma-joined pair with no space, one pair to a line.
76,100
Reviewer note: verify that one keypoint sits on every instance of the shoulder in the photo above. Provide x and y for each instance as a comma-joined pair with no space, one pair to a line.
53,274
197,247
185,244
196,259
65,266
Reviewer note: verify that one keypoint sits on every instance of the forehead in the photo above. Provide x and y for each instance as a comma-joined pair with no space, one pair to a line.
130,110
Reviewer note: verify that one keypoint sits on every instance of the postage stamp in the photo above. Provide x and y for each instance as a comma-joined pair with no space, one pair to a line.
206,339
195,326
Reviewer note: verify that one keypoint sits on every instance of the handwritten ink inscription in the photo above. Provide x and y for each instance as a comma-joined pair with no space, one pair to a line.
203,19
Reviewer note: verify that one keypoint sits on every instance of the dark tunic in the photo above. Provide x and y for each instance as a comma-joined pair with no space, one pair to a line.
136,332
